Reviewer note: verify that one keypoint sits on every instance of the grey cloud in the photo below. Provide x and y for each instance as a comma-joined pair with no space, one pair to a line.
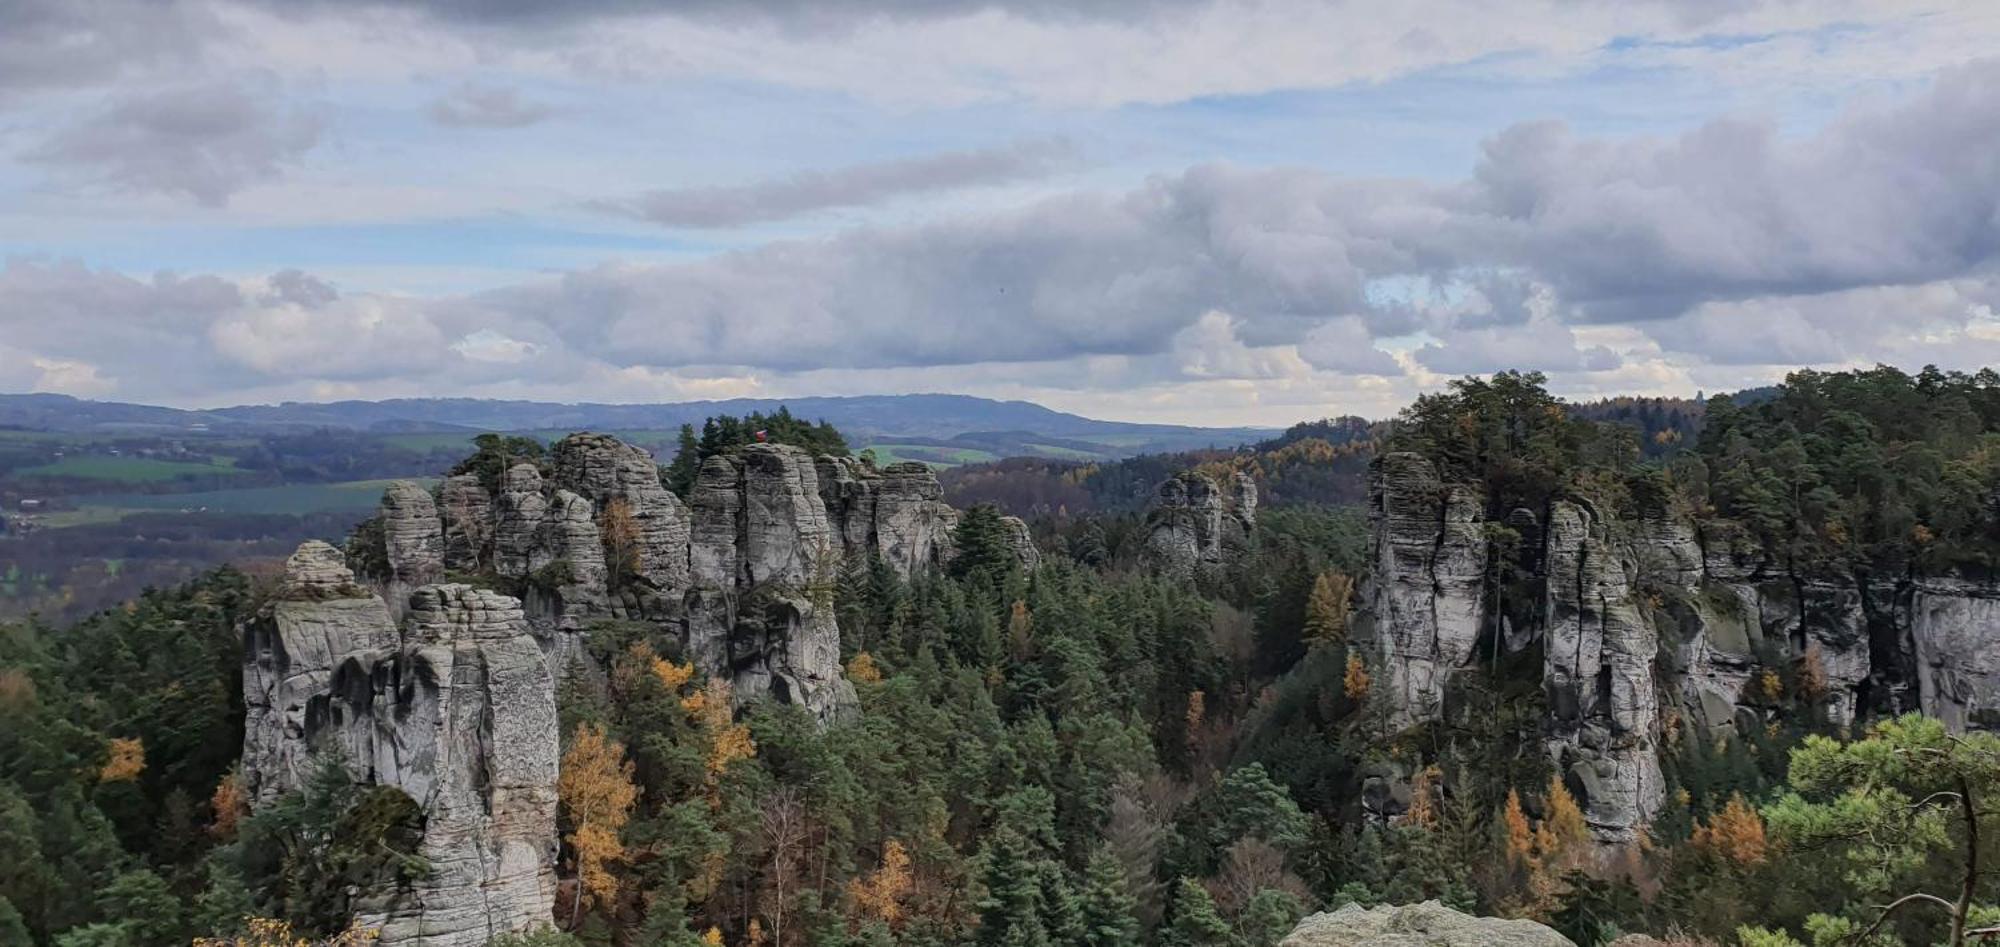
1642,229
855,186
65,43
472,106
1699,240
205,141
1540,346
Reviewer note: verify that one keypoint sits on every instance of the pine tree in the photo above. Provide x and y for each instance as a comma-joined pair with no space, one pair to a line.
1194,921
1011,913
679,476
1110,913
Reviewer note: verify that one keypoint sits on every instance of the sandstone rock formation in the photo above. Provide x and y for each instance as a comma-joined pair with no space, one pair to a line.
1195,524
742,570
457,709
1426,585
1429,924
1647,624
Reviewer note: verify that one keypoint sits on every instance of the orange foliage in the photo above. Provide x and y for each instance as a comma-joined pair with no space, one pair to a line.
1735,834
126,762
1423,812
881,894
229,806
862,670
1520,837
596,790
1355,683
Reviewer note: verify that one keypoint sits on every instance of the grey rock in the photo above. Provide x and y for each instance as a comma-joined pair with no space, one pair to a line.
413,537
1424,601
290,649
1429,924
1194,524
466,513
457,710
1598,672
1955,628
517,528
623,482
897,513
1022,541
762,563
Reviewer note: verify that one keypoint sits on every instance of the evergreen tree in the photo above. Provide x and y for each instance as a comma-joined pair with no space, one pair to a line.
1110,913
1193,920
1011,913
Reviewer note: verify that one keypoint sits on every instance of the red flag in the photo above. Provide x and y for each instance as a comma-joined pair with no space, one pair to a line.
761,438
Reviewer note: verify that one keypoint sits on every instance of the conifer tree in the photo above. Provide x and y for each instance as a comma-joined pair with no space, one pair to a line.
1110,913
1194,921
1326,609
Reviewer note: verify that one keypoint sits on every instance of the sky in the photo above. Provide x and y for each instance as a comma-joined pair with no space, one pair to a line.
1192,211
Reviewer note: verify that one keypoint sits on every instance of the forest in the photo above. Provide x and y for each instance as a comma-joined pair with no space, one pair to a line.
1090,754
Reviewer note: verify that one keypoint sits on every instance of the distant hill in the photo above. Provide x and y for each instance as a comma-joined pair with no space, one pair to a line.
944,425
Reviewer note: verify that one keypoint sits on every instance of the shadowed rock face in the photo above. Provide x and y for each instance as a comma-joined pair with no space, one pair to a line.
1196,524
1647,623
456,709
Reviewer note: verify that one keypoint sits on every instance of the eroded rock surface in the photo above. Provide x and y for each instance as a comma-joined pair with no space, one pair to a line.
1425,596
743,571
1429,924
1650,630
1195,524
456,708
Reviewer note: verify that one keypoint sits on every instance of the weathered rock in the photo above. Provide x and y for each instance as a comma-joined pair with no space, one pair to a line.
1600,643
517,522
1022,541
457,710
1425,599
1429,924
648,523
413,538
463,720
466,512
762,563
1195,524
897,513
290,649
1955,629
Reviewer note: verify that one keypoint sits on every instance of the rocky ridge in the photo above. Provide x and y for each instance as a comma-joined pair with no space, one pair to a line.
741,570
1646,627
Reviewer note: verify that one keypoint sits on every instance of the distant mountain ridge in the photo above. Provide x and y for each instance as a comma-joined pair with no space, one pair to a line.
866,417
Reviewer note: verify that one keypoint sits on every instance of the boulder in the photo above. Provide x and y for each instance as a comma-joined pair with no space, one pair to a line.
1429,924
896,514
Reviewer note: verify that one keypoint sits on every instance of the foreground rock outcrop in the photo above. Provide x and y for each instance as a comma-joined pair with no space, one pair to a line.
1646,625
455,707
1429,924
742,571
1196,524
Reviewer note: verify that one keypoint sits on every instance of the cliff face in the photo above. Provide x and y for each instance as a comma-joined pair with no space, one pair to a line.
456,708
1195,523
1647,625
742,570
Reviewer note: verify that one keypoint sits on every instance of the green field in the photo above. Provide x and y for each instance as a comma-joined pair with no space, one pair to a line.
126,469
1064,453
425,443
355,496
886,454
